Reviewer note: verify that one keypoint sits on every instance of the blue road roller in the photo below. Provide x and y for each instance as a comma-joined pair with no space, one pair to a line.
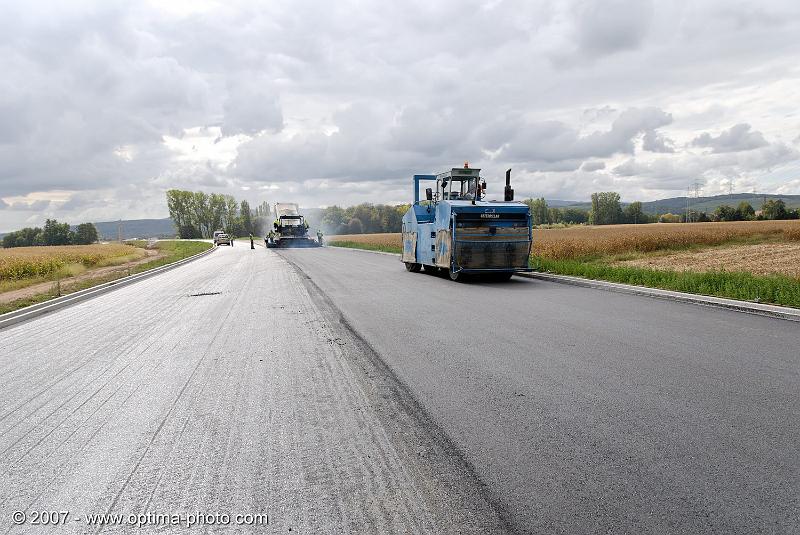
457,230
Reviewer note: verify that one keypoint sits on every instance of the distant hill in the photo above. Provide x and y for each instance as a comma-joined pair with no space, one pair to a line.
137,228
557,203
677,205
709,204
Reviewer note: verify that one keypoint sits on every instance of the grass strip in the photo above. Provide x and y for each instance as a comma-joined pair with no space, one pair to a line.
775,289
175,250
367,246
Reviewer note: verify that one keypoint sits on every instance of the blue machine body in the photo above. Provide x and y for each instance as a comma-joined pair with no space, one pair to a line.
460,231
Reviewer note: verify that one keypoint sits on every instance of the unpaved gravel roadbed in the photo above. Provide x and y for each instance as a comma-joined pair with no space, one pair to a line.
250,398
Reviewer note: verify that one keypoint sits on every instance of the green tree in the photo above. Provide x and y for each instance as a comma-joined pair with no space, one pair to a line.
179,206
333,219
367,214
745,211
724,212
217,212
231,222
197,214
574,216
634,213
606,208
26,237
774,209
55,233
85,233
354,226
183,210
246,218
201,214
539,213
263,218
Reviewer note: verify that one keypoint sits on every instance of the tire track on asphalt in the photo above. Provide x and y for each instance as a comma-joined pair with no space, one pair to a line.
161,425
99,350
197,391
66,466
72,372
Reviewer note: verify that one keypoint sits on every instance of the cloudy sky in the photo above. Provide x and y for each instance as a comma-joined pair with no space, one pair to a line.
105,105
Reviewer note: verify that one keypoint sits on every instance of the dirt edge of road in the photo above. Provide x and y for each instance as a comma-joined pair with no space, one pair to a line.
412,431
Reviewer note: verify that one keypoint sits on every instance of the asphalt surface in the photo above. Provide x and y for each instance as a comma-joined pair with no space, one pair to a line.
223,387
586,411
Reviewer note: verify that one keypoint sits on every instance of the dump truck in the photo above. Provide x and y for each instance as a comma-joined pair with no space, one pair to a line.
290,229
458,230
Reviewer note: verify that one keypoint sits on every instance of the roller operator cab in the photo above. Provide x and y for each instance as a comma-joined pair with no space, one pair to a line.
456,229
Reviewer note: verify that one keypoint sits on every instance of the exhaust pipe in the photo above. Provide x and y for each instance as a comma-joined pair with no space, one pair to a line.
509,192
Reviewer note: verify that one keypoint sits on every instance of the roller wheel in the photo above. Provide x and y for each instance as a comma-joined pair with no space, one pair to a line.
456,275
413,267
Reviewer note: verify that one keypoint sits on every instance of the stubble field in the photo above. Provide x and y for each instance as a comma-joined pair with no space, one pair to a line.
584,242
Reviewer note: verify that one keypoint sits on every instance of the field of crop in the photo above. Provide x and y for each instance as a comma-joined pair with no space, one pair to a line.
388,242
40,262
581,242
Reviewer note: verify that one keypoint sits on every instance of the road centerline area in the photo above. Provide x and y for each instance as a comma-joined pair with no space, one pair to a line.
250,399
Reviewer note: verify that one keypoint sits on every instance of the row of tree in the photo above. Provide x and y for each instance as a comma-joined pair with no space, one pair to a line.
362,219
197,214
606,210
773,209
53,233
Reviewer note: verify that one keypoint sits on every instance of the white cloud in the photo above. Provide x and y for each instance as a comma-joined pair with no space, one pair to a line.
323,103
737,138
656,142
593,166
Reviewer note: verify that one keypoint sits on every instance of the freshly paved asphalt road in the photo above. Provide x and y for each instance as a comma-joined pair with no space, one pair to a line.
585,411
223,386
